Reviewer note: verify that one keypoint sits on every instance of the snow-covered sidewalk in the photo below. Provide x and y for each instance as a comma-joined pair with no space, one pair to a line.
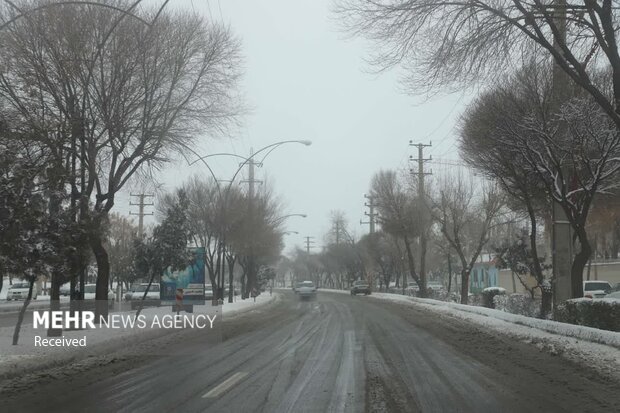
99,341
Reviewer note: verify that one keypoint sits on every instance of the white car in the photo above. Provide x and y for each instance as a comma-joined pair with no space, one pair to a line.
596,289
434,285
306,289
19,291
90,291
413,288
152,297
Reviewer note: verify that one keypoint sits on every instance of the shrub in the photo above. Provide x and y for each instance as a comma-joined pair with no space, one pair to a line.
489,293
603,314
517,304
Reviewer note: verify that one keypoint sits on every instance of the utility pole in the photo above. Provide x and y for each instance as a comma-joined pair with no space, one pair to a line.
372,215
423,207
251,181
561,236
308,242
141,204
251,176
337,232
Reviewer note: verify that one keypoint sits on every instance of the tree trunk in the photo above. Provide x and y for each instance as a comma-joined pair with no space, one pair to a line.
103,275
538,273
411,262
148,287
464,286
579,263
449,272
546,301
55,300
422,272
231,270
243,285
22,311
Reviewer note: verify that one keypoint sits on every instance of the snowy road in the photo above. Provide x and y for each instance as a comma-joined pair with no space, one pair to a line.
338,354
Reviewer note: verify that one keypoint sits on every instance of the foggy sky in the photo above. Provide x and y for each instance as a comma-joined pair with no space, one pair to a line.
305,80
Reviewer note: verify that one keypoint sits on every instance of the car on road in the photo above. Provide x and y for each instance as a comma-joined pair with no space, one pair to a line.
360,287
596,289
434,286
413,288
306,289
90,292
296,286
19,291
152,298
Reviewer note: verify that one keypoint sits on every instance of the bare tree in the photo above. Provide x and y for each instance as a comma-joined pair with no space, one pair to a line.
256,238
120,236
483,149
465,216
399,215
122,92
386,253
535,152
442,43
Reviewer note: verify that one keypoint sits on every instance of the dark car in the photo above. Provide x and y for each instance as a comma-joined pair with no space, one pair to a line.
360,287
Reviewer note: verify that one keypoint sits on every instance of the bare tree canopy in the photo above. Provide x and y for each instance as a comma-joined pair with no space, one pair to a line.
571,152
465,214
113,93
451,43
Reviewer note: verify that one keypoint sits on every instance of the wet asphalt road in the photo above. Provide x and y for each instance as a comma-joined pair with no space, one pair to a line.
335,354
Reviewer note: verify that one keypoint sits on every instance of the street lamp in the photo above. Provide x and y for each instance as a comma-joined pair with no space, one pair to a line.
224,197
282,218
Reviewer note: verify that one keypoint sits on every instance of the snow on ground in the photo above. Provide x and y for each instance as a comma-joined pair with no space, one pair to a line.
25,356
594,347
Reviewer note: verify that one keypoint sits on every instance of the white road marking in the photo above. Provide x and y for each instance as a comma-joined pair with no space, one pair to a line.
225,385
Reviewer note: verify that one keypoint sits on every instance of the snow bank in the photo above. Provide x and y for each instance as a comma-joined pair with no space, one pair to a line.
596,348
16,360
594,335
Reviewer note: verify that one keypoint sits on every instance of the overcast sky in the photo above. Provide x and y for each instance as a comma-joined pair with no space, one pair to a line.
305,80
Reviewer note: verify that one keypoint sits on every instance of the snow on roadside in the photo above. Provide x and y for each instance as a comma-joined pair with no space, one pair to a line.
595,335
25,357
585,345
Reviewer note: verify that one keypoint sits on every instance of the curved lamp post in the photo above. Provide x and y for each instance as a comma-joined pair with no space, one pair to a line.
282,218
224,197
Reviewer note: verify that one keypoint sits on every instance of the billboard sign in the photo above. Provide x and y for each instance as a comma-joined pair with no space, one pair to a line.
191,281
